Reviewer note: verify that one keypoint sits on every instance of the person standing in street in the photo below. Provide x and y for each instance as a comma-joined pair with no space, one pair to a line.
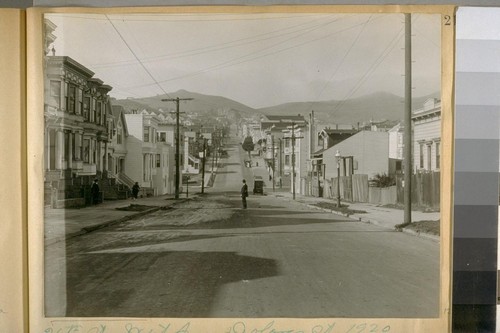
94,191
244,194
135,190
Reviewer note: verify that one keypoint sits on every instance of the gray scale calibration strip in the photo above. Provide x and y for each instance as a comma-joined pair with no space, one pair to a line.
476,183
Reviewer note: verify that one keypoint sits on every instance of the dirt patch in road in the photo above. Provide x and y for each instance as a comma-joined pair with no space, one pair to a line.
342,209
135,208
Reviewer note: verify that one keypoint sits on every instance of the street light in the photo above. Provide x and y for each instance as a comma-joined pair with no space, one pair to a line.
337,155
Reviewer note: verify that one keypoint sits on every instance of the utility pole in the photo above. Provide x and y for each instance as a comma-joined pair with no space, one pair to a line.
280,161
216,145
177,142
213,154
293,159
274,164
407,121
203,166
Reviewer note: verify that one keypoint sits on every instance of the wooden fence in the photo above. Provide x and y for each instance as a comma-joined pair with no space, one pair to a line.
352,188
425,190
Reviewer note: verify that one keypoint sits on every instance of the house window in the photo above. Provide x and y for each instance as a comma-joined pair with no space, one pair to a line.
93,148
86,150
287,159
78,147
119,135
163,137
146,133
421,165
86,108
67,145
52,149
287,142
98,113
438,155
92,110
79,110
429,157
158,160
55,93
71,99
73,144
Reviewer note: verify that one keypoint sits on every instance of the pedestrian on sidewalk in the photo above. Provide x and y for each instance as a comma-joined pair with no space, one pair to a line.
244,194
94,190
135,191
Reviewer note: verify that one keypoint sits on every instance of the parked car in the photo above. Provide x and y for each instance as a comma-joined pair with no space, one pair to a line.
258,185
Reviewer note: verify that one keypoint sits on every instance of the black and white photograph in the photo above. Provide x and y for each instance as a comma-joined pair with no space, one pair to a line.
242,165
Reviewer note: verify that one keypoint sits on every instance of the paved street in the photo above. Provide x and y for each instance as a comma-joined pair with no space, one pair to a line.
207,257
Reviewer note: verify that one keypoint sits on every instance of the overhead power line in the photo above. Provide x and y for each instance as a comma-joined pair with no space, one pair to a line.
370,70
340,63
214,48
137,58
245,58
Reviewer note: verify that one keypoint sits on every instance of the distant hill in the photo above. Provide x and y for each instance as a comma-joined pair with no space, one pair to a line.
199,103
376,106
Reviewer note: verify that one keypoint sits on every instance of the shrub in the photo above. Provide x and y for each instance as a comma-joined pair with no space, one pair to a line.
382,180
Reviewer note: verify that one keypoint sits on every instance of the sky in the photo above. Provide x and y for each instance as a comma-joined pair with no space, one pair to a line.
259,60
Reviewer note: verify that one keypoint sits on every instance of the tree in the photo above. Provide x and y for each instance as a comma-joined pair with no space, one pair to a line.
248,145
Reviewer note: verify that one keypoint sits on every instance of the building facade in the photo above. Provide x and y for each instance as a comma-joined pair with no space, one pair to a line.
149,162
296,156
427,137
76,127
118,141
369,151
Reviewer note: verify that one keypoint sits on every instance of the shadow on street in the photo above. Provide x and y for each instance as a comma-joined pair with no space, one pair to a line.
167,284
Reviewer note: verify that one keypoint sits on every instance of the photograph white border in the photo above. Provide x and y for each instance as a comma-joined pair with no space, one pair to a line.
35,128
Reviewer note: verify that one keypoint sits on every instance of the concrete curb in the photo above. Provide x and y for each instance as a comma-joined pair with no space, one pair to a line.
364,219
421,234
98,226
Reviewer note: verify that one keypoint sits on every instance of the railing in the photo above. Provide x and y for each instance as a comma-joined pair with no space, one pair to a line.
124,179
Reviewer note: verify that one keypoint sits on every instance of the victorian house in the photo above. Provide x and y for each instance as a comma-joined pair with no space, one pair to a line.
118,135
76,134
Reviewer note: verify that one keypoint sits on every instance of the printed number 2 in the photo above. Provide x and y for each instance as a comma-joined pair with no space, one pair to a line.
447,20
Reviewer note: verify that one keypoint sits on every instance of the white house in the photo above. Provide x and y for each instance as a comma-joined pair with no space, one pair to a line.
117,149
149,162
369,151
296,155
427,136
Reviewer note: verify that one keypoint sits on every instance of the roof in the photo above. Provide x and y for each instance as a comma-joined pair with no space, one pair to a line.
118,112
70,62
273,125
319,152
286,118
340,131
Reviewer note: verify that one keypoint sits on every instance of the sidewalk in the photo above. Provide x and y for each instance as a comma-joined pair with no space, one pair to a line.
375,214
65,223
